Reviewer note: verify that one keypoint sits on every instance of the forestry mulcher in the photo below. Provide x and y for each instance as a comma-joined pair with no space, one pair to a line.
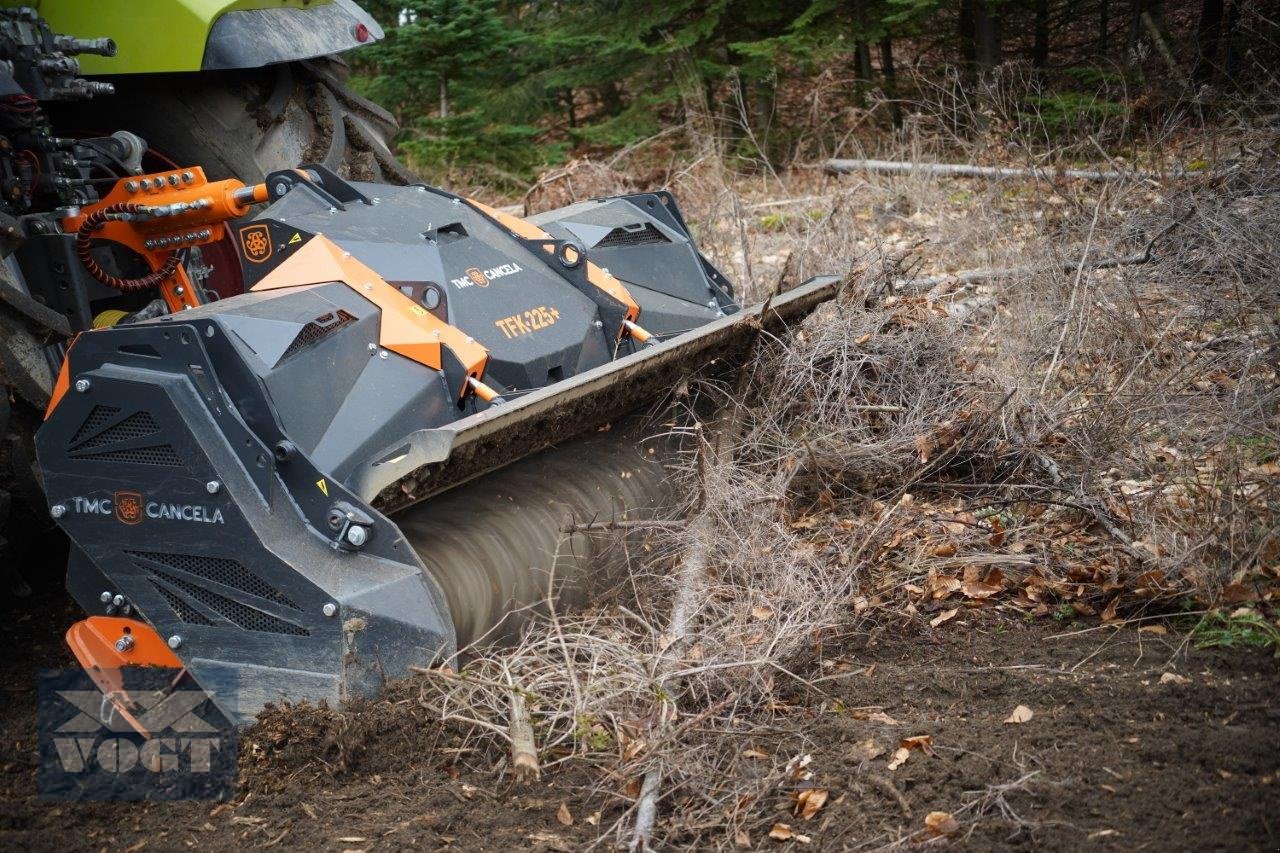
367,459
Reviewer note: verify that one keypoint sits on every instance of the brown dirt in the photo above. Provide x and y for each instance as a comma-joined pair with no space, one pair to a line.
1119,758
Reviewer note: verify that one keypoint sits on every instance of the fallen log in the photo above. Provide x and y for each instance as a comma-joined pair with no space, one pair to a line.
967,170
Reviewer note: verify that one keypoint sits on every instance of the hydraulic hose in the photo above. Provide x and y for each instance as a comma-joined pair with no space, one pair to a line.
84,251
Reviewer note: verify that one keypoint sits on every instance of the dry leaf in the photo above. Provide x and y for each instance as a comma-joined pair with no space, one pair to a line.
742,839
1174,678
781,832
562,815
924,743
946,549
867,750
924,447
882,718
900,756
1021,714
1152,629
752,752
941,587
761,612
941,823
594,819
978,589
810,801
1109,612
944,616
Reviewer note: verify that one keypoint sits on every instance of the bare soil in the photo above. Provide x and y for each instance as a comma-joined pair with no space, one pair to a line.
1112,757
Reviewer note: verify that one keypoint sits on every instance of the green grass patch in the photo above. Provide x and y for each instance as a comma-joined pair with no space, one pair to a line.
1240,629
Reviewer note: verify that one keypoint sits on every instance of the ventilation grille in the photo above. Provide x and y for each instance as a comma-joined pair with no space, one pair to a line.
318,328
159,454
186,612
632,237
219,570
98,418
98,436
241,615
137,425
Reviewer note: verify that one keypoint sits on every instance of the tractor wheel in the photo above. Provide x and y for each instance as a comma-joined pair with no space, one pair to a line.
244,124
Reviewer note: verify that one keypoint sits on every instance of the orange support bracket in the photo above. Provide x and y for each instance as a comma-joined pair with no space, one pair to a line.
106,645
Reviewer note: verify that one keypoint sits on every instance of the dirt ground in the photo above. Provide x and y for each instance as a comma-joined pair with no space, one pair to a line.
1121,752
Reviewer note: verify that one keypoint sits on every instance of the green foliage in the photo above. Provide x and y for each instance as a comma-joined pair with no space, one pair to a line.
1240,629
1062,112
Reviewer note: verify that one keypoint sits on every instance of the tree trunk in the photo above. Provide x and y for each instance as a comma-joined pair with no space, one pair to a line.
1208,38
861,71
1040,49
987,32
968,44
1229,36
444,98
1104,24
890,80
570,113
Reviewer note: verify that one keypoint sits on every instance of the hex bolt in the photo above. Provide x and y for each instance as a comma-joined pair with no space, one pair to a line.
173,180
382,354
329,609
357,535
124,644
711,303
213,487
106,596
175,641
188,177
117,600
131,186
373,348
83,386
57,510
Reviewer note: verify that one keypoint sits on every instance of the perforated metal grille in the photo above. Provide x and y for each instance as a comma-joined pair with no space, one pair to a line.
318,328
99,417
185,611
219,570
159,454
137,425
242,615
639,237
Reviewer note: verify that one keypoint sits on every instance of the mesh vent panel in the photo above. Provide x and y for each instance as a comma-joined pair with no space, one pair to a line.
137,425
318,328
99,417
160,454
241,614
185,611
639,237
219,570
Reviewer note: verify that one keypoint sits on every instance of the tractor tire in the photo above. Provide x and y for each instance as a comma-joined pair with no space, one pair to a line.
244,124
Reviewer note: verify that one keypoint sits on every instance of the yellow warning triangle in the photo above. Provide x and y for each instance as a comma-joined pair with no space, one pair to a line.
296,238
324,487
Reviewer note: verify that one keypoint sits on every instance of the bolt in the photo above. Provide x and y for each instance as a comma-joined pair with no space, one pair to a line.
124,644
150,244
373,347
105,597
212,487
599,325
382,354
188,177
711,303
117,600
280,188
179,290
83,386
173,180
330,609
57,510
457,201
175,641
131,186
375,201
357,535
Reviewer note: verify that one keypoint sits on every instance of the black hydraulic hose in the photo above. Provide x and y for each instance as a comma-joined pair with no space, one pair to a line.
84,251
